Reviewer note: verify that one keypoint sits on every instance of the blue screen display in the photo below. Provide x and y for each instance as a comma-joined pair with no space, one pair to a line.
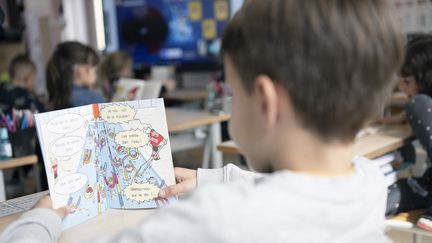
158,32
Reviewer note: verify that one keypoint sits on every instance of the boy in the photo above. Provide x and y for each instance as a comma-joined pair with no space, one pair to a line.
157,141
305,77
18,93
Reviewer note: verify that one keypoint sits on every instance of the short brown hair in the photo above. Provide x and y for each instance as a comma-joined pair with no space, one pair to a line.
20,67
335,58
113,64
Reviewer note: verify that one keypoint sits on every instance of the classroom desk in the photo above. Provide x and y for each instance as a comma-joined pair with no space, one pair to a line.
186,95
180,120
14,163
386,139
111,222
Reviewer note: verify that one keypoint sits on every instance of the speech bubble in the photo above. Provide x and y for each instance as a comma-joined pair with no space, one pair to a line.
65,124
67,146
70,183
132,138
141,192
117,113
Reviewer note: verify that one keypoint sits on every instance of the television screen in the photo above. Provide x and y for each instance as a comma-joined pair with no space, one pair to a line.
161,32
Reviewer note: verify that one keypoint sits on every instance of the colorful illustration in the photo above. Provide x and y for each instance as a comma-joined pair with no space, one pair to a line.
157,141
209,30
104,156
54,168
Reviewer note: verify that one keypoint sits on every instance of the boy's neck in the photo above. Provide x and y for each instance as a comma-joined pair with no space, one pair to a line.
311,155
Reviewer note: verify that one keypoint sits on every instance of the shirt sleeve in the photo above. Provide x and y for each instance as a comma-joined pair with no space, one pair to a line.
227,174
39,225
183,221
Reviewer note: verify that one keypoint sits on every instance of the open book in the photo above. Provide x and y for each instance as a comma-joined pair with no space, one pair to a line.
110,155
136,89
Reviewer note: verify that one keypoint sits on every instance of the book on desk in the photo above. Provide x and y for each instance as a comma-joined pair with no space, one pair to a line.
111,155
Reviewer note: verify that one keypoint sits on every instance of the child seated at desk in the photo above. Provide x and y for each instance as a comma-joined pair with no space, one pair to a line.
416,82
71,74
299,72
404,195
18,94
116,65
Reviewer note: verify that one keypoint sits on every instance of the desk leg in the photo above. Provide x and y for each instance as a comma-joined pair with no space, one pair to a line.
417,238
206,153
2,188
216,139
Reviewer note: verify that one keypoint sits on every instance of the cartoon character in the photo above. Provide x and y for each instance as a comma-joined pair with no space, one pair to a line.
117,162
157,141
129,167
152,180
111,134
103,193
54,167
87,156
73,207
112,182
133,153
100,142
89,192
120,149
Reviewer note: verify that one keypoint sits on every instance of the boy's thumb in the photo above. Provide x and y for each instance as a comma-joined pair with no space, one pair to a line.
173,190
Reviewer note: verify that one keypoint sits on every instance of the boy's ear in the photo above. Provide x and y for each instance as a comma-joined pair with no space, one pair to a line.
266,89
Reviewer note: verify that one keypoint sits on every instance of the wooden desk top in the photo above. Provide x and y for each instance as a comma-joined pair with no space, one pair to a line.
111,222
181,119
17,162
186,95
387,139
398,100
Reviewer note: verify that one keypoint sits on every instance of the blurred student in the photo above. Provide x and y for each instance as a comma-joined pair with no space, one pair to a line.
416,82
116,65
19,92
299,84
71,75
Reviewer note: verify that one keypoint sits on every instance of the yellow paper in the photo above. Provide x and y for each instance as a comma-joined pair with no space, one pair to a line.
209,29
195,11
221,9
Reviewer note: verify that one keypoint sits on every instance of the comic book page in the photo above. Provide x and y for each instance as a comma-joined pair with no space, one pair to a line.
134,151
68,144
106,155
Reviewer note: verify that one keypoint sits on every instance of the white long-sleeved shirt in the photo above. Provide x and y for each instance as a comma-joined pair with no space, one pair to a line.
232,205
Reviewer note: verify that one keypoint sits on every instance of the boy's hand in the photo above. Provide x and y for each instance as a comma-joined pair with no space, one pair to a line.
46,202
186,181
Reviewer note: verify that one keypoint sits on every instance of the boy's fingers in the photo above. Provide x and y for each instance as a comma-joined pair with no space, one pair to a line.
62,212
177,189
183,173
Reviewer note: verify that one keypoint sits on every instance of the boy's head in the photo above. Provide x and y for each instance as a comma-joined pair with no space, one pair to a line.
321,68
116,65
22,72
416,72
